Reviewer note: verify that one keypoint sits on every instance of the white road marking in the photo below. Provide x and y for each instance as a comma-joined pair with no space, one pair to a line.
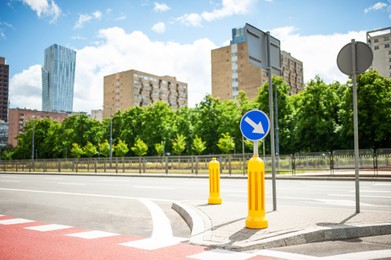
375,254
361,195
382,184
71,183
53,178
162,233
154,187
345,203
78,194
92,234
49,227
15,221
284,255
216,254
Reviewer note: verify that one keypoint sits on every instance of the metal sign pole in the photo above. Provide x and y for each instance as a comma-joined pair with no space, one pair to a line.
355,122
273,152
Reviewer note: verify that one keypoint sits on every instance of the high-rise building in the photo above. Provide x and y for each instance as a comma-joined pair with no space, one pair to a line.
58,76
125,89
380,43
4,89
232,72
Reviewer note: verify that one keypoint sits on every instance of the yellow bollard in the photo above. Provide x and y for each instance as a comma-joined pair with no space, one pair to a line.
214,182
256,194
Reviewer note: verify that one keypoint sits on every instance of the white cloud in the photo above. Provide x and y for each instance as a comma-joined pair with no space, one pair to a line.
84,18
317,52
228,8
43,7
160,7
159,28
121,51
26,88
190,19
375,7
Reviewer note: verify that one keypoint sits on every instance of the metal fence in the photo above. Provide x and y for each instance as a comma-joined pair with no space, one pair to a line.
369,159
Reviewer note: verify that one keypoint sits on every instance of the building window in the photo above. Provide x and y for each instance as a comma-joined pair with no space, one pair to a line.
387,45
376,47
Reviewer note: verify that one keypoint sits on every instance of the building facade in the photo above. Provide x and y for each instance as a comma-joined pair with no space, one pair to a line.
292,71
19,117
232,72
4,89
380,43
125,89
58,76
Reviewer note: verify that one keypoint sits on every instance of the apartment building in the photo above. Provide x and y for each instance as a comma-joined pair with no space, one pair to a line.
19,117
232,72
292,71
380,43
125,89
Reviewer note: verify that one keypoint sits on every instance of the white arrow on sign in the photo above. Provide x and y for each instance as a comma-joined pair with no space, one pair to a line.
258,128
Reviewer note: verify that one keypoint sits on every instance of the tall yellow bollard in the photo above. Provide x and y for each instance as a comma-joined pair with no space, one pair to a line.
256,194
214,182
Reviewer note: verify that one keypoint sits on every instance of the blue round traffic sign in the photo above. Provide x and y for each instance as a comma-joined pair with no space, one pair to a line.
255,125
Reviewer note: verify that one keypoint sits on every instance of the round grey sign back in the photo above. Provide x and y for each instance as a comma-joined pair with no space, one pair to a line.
364,57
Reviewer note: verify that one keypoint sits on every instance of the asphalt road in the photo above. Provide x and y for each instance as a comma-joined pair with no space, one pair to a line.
126,205
102,201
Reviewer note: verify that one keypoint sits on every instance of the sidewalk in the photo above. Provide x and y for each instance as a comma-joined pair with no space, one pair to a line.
223,226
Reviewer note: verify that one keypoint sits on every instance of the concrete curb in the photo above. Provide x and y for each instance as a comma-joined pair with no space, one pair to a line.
313,235
202,232
200,224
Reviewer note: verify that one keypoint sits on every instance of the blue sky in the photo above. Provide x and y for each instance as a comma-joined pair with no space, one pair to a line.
170,37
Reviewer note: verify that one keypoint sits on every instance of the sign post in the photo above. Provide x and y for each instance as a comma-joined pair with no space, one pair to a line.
355,58
264,52
255,125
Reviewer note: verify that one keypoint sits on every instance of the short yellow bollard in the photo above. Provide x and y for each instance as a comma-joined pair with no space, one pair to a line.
214,182
256,194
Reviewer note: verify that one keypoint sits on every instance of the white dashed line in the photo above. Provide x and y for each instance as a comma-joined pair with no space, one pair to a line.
92,234
15,221
50,227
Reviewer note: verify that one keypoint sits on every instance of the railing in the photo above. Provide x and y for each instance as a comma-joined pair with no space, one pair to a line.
230,164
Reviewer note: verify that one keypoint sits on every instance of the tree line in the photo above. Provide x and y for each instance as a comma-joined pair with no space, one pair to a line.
320,118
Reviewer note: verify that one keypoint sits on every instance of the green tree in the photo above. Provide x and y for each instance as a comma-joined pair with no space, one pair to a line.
157,125
198,145
315,116
80,129
226,143
104,148
140,148
179,144
121,149
76,151
184,124
374,112
90,150
159,147
208,122
285,122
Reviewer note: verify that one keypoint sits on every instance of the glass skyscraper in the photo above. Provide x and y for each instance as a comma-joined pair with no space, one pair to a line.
58,76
